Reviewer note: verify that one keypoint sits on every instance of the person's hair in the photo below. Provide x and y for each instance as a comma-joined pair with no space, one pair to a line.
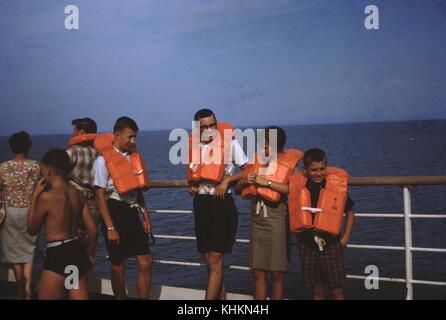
20,142
58,160
281,137
125,123
86,124
204,113
314,155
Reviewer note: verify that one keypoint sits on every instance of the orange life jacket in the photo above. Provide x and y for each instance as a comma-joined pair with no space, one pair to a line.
331,201
127,175
286,162
205,169
82,139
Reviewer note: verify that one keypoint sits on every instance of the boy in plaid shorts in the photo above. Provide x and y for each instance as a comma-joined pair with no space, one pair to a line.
322,254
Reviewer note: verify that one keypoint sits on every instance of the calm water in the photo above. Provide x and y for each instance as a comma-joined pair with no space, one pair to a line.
383,149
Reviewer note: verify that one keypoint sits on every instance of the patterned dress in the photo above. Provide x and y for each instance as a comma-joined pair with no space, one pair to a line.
17,179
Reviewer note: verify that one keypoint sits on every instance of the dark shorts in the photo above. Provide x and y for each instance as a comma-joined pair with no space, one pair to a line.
68,254
133,241
215,223
322,267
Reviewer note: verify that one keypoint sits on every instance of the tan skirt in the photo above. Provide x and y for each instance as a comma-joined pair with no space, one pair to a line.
270,237
16,244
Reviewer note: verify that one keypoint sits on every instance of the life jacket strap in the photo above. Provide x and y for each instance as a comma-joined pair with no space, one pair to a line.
320,242
313,210
260,205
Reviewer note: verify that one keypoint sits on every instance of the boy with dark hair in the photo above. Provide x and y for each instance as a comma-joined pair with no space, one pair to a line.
61,208
124,235
82,155
215,213
317,200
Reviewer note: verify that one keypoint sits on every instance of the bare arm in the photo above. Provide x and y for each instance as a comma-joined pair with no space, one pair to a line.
220,190
350,220
145,213
276,186
91,230
112,236
252,178
38,209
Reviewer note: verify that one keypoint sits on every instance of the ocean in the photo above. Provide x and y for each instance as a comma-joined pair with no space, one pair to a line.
366,149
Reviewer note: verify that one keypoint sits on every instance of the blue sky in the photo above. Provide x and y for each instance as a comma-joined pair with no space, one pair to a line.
254,62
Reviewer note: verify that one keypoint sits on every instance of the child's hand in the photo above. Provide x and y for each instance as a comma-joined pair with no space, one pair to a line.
344,241
40,187
251,178
261,181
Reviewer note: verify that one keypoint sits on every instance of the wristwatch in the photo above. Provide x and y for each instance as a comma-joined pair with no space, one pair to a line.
269,183
111,228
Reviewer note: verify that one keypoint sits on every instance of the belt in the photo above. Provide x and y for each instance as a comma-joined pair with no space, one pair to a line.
52,244
86,190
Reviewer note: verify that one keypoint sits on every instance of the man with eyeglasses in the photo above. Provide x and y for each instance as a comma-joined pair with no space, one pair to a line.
215,213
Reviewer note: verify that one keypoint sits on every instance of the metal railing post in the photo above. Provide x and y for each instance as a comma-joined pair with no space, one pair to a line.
408,242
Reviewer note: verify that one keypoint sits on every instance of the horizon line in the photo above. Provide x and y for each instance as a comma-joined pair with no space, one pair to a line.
261,126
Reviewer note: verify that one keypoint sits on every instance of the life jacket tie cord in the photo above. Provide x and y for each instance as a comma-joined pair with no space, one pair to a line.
313,210
261,205
320,242
138,207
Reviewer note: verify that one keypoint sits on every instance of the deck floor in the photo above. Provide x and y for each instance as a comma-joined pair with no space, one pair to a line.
353,291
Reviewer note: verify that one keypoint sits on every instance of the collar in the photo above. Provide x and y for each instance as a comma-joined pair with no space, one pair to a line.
125,154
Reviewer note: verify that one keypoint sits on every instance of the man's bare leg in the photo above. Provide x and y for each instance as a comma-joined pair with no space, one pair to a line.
144,276
51,286
259,284
223,288
82,292
215,277
20,281
118,280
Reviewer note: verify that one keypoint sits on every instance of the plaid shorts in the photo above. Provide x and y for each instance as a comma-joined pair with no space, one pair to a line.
325,267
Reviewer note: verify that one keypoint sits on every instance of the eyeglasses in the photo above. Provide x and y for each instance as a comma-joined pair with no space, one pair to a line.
211,126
